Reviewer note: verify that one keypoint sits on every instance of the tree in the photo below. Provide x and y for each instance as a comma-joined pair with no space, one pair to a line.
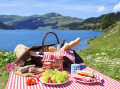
107,21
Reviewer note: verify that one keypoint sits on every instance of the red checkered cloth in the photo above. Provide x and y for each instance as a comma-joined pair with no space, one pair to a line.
19,82
50,56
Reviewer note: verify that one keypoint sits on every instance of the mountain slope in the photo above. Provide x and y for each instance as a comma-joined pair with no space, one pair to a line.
3,26
49,20
92,23
103,54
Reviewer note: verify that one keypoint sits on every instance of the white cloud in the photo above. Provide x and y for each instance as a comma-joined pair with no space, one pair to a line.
117,7
101,9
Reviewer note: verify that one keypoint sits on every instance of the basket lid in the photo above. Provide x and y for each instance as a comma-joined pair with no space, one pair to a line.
22,52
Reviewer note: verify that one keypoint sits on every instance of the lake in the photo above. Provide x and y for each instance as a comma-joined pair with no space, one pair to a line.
9,39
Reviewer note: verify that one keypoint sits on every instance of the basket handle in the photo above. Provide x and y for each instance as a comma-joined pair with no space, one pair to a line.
45,37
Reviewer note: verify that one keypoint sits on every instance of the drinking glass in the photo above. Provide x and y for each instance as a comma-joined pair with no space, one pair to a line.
47,64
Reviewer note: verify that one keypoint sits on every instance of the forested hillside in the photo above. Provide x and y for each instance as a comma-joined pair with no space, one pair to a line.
92,23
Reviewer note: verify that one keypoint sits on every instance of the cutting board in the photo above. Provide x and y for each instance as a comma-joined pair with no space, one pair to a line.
40,70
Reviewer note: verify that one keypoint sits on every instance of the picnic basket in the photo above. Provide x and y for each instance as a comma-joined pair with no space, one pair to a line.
36,58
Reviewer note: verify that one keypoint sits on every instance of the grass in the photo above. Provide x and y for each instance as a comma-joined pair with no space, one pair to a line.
4,75
103,54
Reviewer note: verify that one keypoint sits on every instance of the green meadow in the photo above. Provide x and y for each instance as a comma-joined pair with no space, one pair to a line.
103,54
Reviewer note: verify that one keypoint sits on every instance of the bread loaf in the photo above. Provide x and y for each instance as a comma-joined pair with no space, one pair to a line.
32,70
72,44
25,68
65,47
52,49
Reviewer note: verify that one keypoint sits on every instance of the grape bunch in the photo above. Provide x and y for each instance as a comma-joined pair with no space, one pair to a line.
55,76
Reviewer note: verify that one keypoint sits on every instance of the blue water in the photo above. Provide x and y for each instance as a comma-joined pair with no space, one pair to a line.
9,39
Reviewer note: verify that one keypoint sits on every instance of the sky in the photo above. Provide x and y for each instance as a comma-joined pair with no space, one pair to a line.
75,8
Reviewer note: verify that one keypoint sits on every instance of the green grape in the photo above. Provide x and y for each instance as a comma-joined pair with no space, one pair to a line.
48,75
66,78
44,74
58,77
59,81
65,74
51,75
63,80
50,72
60,73
56,70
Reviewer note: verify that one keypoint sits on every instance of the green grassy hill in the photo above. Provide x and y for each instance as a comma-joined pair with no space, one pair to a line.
46,21
103,54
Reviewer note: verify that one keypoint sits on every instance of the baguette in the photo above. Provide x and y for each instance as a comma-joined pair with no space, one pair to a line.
72,44
65,47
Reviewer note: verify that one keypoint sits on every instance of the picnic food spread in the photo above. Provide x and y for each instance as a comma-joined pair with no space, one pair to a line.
50,76
50,68
52,61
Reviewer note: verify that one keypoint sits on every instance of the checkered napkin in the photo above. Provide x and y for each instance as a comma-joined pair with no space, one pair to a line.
50,56
87,79
74,67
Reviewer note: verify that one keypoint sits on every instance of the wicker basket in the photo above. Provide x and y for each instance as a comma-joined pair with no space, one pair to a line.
35,58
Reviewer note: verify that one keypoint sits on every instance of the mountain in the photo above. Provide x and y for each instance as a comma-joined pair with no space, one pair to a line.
103,54
3,26
46,21
92,23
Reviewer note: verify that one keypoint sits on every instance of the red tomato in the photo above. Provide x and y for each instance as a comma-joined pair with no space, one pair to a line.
80,74
28,82
30,78
33,81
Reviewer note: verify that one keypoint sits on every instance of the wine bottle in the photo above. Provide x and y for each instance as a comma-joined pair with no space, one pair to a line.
63,42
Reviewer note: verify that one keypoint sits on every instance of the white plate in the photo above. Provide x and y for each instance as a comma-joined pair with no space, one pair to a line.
41,79
88,82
